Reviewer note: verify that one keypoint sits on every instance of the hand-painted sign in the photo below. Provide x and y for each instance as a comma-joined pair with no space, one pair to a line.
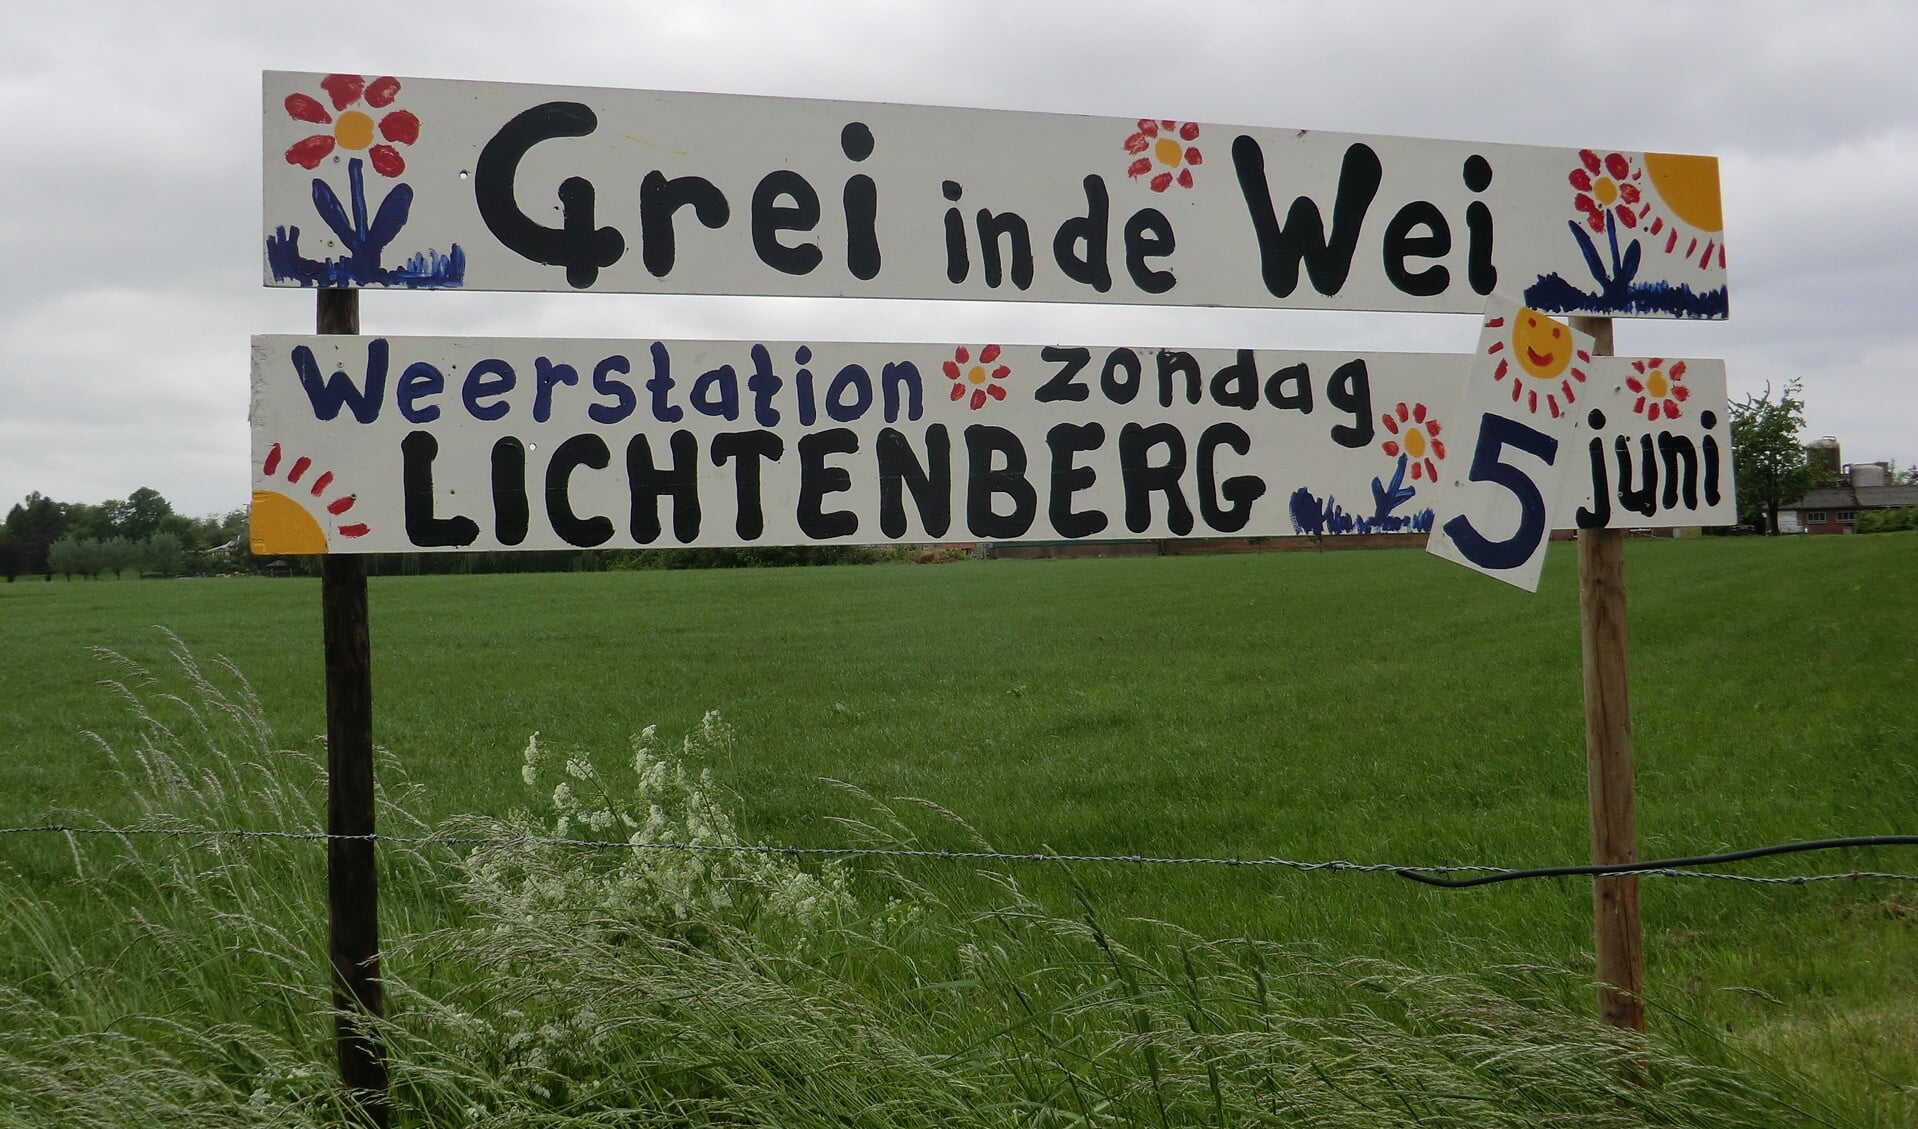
1562,439
376,444
420,183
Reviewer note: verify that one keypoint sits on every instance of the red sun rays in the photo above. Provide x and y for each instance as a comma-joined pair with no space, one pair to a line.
297,470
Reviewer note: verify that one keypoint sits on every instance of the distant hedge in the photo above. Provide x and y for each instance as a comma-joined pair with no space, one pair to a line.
1886,521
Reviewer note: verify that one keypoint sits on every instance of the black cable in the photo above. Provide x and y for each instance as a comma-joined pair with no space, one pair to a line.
1662,864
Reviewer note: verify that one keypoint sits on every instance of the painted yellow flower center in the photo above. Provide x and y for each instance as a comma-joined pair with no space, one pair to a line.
1605,191
354,130
1415,443
977,374
1168,151
1656,384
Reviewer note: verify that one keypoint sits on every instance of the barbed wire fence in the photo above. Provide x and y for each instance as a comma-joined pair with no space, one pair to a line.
1442,876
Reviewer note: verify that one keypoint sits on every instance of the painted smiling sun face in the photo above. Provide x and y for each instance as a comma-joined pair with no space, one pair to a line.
1541,344
1547,354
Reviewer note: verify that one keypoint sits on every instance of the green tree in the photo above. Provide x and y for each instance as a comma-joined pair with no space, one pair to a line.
35,525
145,509
1767,456
162,554
71,556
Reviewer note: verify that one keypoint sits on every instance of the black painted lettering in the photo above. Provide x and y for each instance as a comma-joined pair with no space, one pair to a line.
958,265
1402,242
1350,390
1642,499
1290,389
1241,491
860,200
1062,386
1303,238
770,217
1173,363
1479,270
510,507
659,198
648,482
746,449
930,481
816,480
589,451
576,244
985,446
1066,440
1011,227
1121,389
1089,265
1601,515
1148,235
417,452
1142,477
1712,496
1237,384
1677,450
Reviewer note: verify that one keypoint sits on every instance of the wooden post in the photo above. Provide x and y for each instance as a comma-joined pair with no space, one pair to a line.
352,884
1617,939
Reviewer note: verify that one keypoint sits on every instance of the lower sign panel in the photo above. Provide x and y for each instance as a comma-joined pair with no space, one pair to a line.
376,444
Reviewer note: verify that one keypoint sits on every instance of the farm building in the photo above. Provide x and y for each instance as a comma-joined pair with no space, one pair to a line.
1834,509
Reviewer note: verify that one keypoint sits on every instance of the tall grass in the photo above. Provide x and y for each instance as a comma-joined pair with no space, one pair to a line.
531,984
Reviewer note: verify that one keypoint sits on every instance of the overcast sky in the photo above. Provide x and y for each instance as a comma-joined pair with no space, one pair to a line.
130,201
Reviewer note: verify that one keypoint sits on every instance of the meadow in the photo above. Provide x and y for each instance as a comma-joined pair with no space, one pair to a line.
1375,707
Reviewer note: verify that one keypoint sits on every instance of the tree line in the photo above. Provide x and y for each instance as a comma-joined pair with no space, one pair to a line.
140,533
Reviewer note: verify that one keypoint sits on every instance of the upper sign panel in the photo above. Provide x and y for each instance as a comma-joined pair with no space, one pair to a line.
423,183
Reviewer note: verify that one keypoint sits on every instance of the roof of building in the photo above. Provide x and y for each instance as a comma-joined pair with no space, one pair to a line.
1857,498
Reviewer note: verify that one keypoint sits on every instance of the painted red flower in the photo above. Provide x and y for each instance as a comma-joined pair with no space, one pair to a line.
1417,438
969,376
353,128
1158,144
1659,387
1608,184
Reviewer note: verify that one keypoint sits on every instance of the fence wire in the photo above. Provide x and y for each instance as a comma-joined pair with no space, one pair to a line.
1440,876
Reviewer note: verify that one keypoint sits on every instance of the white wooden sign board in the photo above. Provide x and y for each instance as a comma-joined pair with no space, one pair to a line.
386,444
425,183
1561,439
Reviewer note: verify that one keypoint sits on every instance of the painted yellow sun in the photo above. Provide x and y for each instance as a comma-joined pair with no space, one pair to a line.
1547,353
1687,189
282,525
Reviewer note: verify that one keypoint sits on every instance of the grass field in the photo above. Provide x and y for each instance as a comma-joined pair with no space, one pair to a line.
1366,706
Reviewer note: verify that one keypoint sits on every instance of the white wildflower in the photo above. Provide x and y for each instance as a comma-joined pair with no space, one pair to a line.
529,772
